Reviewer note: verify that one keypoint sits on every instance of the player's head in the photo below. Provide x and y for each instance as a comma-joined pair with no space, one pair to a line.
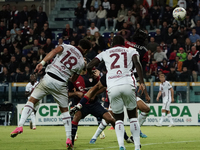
139,36
162,77
118,40
32,78
85,45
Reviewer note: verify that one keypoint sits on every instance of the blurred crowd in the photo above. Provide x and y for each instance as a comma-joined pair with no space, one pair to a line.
173,46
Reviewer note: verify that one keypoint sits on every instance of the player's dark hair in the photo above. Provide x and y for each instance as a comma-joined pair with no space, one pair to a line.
118,40
139,36
85,44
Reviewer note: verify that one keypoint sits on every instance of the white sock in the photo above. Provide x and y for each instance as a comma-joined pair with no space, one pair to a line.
170,118
28,108
66,118
142,117
101,127
163,116
119,129
135,130
33,118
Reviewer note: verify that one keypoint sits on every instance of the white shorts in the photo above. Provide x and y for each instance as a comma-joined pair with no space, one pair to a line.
120,96
166,105
57,89
138,99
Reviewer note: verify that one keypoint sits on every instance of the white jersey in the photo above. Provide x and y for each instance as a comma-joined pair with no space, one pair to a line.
30,87
68,62
166,93
118,62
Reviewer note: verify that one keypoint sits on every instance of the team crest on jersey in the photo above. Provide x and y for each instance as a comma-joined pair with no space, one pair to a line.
119,72
90,79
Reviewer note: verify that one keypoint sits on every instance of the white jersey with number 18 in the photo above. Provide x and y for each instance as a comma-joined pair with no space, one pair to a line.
68,62
118,62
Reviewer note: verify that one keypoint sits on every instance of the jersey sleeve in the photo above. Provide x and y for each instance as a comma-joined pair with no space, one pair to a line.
100,56
160,89
27,88
169,85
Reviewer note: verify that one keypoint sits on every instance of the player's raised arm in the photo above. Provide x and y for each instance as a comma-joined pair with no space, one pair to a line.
48,57
91,64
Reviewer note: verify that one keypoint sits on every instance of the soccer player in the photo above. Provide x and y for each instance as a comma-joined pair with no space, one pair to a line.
29,89
167,93
121,86
67,64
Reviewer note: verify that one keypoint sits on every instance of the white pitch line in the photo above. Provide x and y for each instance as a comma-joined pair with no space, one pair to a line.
145,144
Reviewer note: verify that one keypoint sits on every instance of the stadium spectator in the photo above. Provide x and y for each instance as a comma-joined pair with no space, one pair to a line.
191,65
168,38
188,23
172,75
152,45
101,15
158,37
194,37
86,4
12,47
188,45
96,4
18,54
12,66
172,57
167,15
60,42
106,5
148,4
42,39
67,32
36,30
138,2
75,38
79,13
124,33
143,14
111,17
47,31
1,67
72,43
9,39
110,40
181,36
48,46
91,16
163,47
135,11
154,17
153,68
20,38
3,45
33,14
197,17
5,57
29,57
175,46
122,12
2,30
25,28
13,31
99,41
164,66
14,16
195,53
89,36
185,75
41,18
198,45
35,48
29,39
4,14
41,55
93,51
164,29
182,55
27,74
24,15
93,29
198,27
5,76
23,64
182,3
33,64
19,76
172,3
81,31
130,20
159,55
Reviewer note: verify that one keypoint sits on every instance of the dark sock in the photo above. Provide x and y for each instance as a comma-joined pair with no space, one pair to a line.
74,130
99,119
84,100
125,136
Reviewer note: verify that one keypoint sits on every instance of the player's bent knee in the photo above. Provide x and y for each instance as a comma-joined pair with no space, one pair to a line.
132,113
62,110
33,100
119,116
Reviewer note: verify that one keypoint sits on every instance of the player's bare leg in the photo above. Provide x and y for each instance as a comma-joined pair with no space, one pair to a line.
28,109
144,108
66,118
162,118
134,127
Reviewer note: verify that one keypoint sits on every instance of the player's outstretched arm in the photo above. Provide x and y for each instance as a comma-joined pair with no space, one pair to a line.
48,57
172,94
158,96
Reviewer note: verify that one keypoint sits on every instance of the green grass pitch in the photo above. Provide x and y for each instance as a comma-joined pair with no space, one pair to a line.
53,138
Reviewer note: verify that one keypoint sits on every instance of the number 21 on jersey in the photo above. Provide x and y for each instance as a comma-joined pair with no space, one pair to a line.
117,57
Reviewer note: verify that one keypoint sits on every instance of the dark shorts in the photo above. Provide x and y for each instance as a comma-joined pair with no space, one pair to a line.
103,80
95,109
106,104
